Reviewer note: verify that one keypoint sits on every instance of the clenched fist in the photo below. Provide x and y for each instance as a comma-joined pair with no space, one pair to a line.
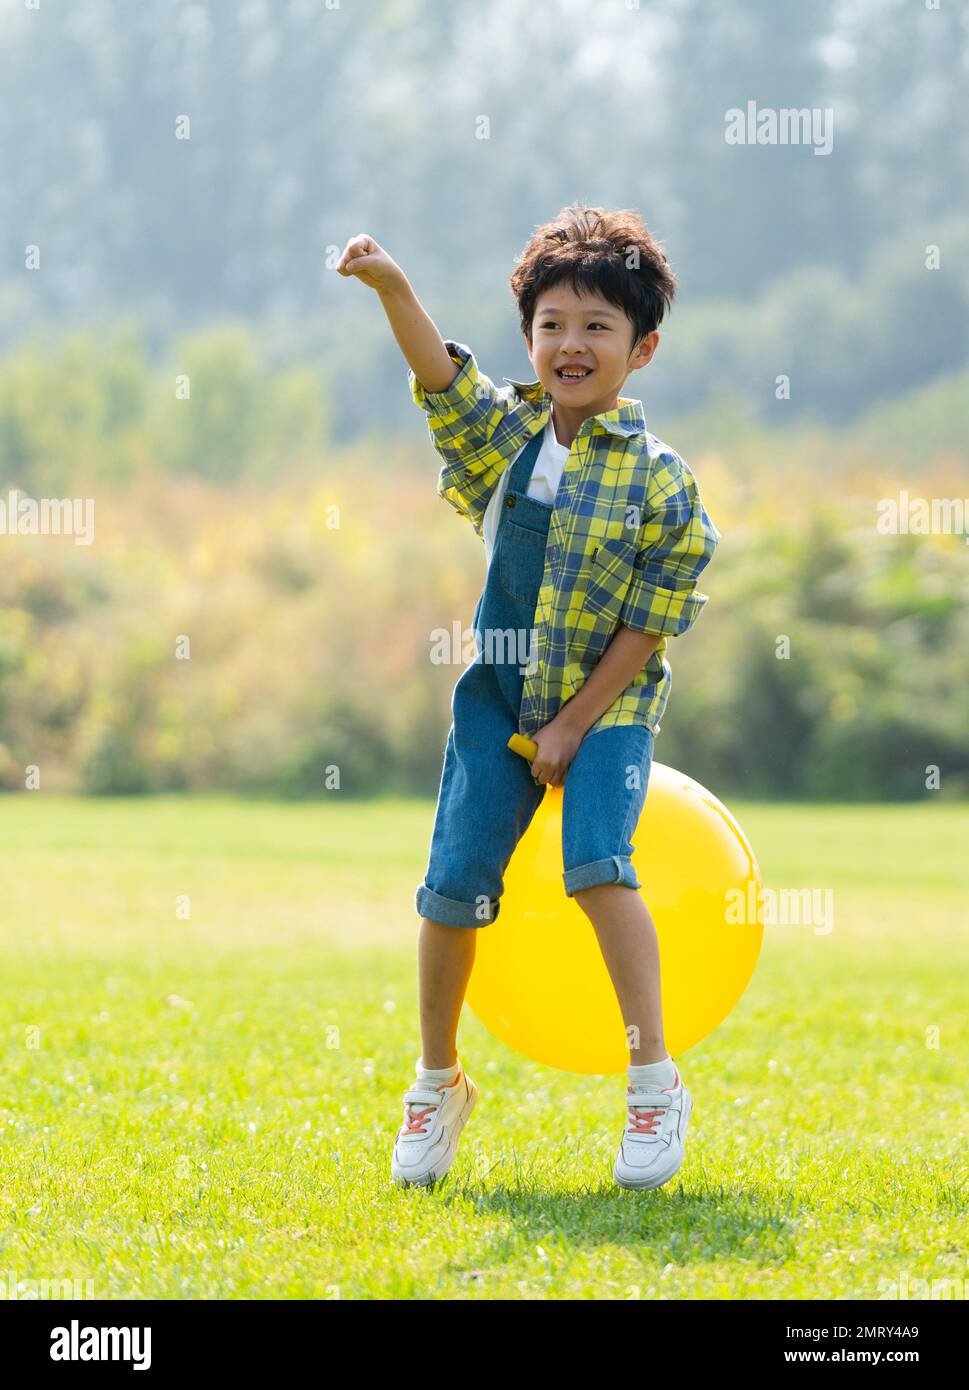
363,258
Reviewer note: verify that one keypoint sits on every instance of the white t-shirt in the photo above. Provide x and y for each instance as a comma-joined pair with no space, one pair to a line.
543,484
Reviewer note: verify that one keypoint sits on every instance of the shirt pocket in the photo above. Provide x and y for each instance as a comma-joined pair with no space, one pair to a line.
610,574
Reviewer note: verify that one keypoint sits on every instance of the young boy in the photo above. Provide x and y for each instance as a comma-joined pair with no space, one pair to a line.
594,536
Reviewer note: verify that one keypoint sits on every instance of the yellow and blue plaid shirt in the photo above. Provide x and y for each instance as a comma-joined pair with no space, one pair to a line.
628,535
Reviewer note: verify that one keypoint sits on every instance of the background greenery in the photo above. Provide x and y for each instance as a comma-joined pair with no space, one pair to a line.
310,123
309,576
284,518
204,1106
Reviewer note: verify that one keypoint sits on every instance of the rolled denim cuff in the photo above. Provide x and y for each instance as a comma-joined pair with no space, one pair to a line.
450,911
618,868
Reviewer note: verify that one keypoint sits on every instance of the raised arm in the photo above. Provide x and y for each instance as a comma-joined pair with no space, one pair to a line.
416,333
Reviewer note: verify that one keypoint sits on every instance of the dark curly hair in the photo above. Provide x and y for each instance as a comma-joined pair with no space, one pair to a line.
612,253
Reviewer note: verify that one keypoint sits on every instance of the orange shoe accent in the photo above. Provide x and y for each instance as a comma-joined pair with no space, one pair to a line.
642,1120
416,1117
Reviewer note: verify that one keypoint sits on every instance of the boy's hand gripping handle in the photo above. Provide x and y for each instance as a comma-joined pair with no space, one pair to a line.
527,747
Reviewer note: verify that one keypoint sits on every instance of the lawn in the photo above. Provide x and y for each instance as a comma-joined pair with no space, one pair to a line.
208,1019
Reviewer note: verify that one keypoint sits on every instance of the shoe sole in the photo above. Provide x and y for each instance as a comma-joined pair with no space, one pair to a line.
657,1180
449,1155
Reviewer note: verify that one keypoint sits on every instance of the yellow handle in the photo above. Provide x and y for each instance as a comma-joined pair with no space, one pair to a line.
525,746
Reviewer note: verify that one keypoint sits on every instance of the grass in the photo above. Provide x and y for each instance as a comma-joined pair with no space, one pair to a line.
203,1106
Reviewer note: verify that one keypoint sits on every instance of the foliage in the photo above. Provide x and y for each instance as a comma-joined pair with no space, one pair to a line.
209,1013
255,611
184,164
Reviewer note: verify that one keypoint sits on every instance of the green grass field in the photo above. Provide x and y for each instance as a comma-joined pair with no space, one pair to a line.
204,1106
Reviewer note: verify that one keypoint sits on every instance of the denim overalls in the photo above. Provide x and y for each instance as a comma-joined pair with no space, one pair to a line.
487,795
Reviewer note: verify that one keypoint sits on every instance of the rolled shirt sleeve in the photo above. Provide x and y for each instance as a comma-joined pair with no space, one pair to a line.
463,416
462,421
678,542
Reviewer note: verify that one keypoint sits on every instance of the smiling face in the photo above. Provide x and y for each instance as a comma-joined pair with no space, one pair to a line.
582,351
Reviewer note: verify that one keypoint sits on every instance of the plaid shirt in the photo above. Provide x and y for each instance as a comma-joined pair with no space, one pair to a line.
628,535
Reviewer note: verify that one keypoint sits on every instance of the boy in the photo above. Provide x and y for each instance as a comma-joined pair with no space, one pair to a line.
594,536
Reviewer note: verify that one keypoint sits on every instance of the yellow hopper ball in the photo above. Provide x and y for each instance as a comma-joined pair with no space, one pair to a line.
539,981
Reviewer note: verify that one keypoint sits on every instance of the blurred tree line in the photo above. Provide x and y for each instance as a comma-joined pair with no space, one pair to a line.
263,486
311,121
258,602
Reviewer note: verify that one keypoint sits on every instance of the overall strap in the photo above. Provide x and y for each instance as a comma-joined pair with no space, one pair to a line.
521,469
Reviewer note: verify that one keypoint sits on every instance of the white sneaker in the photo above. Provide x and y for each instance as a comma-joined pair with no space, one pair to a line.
427,1141
652,1146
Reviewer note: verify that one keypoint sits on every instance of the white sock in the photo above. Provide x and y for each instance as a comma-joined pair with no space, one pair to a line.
445,1076
658,1075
